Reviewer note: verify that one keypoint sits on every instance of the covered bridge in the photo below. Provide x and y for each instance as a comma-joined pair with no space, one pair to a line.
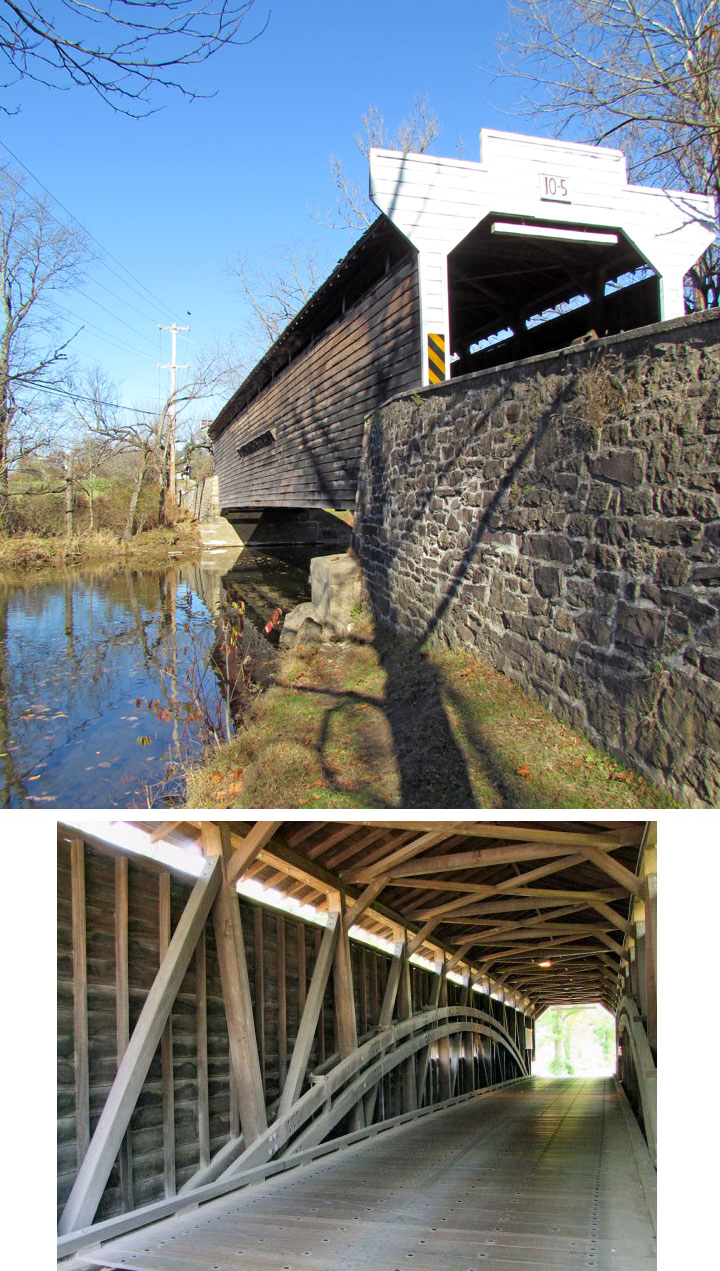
469,265
309,1044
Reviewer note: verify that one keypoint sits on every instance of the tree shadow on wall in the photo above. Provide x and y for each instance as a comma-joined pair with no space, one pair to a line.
433,769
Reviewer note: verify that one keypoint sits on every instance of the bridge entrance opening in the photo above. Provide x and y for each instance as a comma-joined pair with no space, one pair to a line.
518,286
574,1041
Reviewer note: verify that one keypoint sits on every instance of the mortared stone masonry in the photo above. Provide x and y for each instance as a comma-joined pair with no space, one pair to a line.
561,517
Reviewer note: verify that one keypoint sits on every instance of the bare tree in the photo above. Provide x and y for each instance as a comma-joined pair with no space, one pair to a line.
123,49
415,135
38,255
148,433
277,292
215,369
641,74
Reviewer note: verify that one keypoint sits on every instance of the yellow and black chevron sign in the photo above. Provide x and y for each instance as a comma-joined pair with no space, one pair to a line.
436,358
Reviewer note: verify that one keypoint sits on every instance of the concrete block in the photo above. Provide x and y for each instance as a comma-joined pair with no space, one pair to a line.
336,585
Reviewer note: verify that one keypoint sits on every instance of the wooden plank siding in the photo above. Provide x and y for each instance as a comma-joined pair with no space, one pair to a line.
318,404
122,959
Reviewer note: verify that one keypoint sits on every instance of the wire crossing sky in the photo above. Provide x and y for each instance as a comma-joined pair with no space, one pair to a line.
167,200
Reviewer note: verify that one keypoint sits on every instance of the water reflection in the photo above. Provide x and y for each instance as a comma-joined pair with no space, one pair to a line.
107,685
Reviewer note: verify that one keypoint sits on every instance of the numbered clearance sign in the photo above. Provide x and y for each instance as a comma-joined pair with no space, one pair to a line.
554,189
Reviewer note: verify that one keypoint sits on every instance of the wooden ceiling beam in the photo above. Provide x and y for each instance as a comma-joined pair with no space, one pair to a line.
362,903
512,905
349,850
327,843
417,941
396,859
535,929
482,857
627,836
163,830
614,870
458,956
245,852
608,912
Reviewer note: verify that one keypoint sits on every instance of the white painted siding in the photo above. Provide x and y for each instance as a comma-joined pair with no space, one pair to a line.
437,202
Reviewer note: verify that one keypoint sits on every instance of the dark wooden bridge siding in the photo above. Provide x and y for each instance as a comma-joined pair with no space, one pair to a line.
318,404
281,953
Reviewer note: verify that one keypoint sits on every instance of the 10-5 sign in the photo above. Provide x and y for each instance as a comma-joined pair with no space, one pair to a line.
555,188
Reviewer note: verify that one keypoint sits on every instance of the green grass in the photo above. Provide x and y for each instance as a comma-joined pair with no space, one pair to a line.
380,723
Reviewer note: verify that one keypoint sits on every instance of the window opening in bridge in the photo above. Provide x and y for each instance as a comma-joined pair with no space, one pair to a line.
261,442
574,1041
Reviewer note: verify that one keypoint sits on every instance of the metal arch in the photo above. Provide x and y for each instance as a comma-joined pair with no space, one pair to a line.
630,1025
330,1098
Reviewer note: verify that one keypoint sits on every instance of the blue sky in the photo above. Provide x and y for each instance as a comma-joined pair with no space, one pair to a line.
176,195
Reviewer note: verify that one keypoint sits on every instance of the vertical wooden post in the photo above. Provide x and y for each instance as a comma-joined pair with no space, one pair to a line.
445,1083
650,873
467,1044
166,1046
363,992
322,1050
259,955
282,1001
310,1016
302,969
245,1062
424,1055
203,1100
638,918
405,1011
80,1012
634,990
234,1109
122,1010
115,1117
345,1021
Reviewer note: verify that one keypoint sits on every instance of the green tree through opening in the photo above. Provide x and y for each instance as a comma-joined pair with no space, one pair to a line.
574,1041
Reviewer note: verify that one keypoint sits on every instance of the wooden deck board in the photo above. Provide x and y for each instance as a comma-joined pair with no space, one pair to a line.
541,1176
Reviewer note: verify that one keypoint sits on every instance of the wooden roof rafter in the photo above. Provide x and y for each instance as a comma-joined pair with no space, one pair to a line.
498,894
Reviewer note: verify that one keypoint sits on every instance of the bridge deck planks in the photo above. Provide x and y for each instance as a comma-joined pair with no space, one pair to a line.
541,1176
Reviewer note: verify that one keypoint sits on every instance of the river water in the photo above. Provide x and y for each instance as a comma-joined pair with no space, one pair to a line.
107,683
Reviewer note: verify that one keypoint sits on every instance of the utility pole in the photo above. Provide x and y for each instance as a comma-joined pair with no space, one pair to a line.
172,368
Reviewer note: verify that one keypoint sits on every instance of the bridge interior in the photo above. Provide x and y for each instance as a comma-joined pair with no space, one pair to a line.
349,1084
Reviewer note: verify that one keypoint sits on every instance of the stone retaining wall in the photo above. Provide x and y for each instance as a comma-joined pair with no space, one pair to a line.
561,516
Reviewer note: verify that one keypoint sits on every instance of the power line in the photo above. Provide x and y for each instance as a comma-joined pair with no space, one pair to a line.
88,357
80,397
123,345
85,230
120,320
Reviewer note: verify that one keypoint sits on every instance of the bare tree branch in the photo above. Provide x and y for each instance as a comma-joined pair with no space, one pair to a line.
123,50
414,134
277,292
641,74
